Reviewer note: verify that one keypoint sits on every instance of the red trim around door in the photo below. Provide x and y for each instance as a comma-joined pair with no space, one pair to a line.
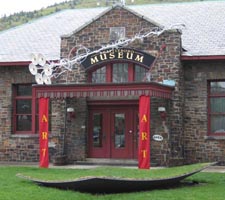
113,131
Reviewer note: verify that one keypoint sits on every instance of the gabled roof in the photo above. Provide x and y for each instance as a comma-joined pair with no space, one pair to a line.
204,34
205,24
105,12
42,35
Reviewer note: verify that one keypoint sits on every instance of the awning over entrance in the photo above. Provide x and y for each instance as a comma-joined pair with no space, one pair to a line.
103,90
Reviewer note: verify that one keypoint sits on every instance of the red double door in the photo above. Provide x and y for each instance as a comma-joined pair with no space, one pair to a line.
113,132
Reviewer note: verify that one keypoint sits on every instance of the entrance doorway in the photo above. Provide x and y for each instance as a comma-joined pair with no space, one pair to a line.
113,132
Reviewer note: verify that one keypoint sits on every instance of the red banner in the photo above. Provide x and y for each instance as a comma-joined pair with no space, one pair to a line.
43,132
144,130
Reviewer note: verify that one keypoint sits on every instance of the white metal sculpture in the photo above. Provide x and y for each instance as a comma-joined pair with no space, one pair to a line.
44,71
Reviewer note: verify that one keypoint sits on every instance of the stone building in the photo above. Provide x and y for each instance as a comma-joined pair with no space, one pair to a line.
103,92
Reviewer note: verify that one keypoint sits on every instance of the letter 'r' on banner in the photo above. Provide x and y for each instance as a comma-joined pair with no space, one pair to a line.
144,133
43,132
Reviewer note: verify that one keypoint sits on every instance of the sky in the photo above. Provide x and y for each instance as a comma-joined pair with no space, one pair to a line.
8,7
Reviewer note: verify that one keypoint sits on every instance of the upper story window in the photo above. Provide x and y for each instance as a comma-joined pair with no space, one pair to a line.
216,110
140,73
118,73
99,75
117,33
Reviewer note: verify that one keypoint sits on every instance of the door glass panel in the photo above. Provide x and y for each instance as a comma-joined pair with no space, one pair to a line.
97,130
119,130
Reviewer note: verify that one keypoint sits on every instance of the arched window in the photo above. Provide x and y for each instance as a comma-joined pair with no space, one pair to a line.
99,75
120,72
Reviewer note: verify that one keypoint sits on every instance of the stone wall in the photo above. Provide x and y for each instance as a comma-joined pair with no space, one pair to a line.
14,147
199,147
160,150
67,135
168,66
76,138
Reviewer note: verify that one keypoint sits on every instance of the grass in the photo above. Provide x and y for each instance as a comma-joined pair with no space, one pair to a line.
65,174
11,187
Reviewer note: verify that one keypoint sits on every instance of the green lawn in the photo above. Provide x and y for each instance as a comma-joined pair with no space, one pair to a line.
212,185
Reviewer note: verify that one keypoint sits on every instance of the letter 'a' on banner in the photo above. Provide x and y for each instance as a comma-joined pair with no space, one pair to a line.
43,132
144,133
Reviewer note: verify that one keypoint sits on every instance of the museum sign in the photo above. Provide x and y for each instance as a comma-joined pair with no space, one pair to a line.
127,54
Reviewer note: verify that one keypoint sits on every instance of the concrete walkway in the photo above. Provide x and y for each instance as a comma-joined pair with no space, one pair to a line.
218,169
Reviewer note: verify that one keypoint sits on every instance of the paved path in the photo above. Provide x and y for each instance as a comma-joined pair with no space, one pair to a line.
219,169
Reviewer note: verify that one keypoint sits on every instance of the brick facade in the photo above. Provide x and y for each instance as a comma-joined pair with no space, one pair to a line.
14,147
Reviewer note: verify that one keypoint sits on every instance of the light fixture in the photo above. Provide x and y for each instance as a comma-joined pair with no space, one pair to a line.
33,69
71,114
70,109
162,112
41,59
47,70
47,80
34,59
39,78
161,109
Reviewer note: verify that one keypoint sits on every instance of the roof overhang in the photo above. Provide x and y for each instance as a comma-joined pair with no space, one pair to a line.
103,90
16,63
19,63
214,57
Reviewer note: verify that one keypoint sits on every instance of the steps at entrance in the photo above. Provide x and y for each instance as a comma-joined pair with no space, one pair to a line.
103,161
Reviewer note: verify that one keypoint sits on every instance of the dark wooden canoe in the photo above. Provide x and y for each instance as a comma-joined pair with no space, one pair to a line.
112,185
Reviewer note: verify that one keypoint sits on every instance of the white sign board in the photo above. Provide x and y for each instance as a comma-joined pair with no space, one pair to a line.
158,138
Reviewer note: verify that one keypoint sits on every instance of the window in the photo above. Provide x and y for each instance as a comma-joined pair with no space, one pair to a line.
118,73
98,76
97,129
117,33
119,127
140,73
22,115
23,121
216,103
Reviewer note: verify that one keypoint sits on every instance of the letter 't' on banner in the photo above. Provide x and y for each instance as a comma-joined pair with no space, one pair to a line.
43,132
144,133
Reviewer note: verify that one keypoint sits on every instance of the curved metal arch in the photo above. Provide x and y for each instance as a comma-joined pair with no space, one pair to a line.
118,55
